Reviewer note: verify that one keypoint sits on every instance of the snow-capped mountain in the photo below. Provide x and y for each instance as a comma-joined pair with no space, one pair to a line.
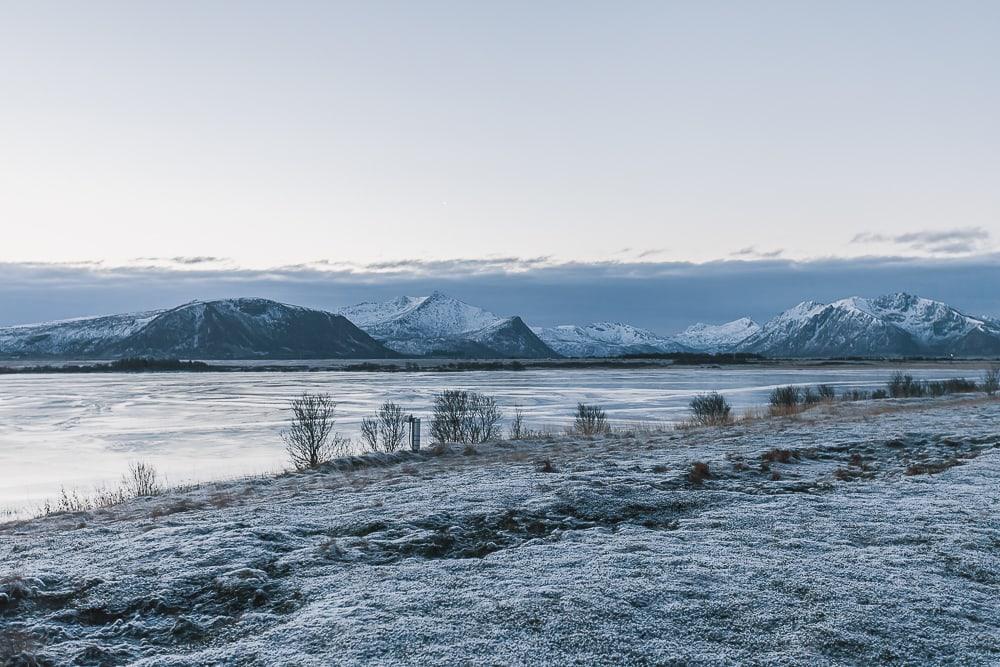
717,337
442,326
892,325
606,339
224,329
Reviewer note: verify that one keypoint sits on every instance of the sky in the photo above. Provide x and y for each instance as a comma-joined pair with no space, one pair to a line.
326,152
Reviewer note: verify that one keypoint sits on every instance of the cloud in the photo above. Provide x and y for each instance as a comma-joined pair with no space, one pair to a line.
945,242
662,296
751,252
651,253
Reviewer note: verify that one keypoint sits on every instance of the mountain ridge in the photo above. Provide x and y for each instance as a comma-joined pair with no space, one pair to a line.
240,328
439,325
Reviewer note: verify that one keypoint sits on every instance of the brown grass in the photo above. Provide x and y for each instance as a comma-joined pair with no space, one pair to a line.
699,472
176,507
780,456
932,468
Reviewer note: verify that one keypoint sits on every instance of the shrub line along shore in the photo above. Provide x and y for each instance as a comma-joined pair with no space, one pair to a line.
469,419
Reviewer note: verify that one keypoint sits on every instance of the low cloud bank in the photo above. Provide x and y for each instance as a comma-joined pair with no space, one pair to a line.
664,296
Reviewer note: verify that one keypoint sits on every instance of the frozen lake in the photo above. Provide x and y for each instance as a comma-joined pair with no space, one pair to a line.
77,431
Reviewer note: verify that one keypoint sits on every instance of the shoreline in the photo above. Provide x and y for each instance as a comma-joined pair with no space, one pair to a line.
433,365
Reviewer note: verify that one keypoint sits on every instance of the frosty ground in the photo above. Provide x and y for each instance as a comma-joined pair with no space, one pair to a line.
874,538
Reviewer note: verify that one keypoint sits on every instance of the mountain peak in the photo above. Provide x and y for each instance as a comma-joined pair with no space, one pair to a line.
718,337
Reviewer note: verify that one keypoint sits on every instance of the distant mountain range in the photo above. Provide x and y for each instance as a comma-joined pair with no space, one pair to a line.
438,325
891,325
606,339
226,329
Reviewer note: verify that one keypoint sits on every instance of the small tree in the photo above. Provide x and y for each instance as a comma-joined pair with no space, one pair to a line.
451,408
369,433
590,420
466,417
310,440
826,392
991,380
391,426
483,421
710,409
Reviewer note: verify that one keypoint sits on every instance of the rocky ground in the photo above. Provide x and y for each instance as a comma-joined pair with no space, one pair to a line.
846,535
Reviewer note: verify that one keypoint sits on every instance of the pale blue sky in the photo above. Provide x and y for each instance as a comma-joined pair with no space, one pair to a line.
292,132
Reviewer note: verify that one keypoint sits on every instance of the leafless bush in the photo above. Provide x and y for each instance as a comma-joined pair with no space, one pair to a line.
484,418
310,440
826,392
517,429
711,409
369,433
451,409
590,420
386,431
466,417
991,380
391,426
904,385
141,480
785,397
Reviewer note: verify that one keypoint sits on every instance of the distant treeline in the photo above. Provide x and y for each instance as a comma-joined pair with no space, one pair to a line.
130,365
699,358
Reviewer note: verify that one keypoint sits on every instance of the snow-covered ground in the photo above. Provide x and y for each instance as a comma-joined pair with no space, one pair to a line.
836,556
80,431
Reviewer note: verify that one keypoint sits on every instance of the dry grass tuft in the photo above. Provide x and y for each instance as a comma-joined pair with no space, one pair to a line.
932,468
780,456
175,507
699,472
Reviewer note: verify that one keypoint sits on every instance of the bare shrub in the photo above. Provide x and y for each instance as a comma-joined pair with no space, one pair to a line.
785,400
826,392
711,409
310,440
451,408
69,501
369,434
465,417
517,428
141,480
485,418
991,380
386,430
590,420
391,426
855,395
904,385
699,472
810,397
